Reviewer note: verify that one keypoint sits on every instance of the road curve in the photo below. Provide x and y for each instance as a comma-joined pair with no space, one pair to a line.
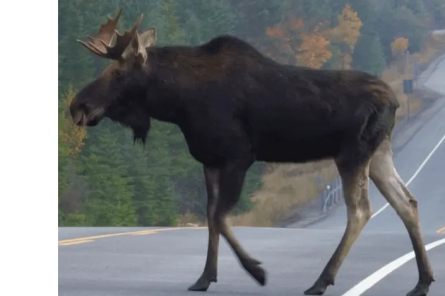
165,261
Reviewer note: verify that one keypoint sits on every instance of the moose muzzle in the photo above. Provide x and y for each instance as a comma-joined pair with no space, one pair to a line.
78,115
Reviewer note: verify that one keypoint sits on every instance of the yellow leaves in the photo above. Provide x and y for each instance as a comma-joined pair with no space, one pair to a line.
346,35
71,136
313,52
399,46
348,29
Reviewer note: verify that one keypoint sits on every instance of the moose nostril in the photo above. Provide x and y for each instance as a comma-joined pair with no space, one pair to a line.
77,113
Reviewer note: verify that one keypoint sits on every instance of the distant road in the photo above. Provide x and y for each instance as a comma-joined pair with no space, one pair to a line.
438,32
160,262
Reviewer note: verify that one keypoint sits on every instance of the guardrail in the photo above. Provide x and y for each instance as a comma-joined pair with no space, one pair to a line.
332,195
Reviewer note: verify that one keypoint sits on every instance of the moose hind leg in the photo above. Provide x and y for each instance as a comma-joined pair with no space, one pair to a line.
355,186
391,186
231,182
210,270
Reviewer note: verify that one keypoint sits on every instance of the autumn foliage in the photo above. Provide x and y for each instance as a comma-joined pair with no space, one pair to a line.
275,31
345,36
70,136
313,47
314,51
399,46
348,29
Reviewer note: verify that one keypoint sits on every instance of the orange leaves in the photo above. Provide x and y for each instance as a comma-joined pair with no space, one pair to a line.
399,46
297,23
71,136
279,31
314,51
311,47
294,45
275,31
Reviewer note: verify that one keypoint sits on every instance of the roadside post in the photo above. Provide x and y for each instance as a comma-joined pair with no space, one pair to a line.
407,89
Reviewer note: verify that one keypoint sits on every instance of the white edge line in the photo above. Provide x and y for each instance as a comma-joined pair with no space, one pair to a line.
415,174
371,280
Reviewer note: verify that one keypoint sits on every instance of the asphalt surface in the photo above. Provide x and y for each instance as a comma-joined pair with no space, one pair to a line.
143,261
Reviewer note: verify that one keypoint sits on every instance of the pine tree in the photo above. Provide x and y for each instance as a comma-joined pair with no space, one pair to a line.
220,18
109,201
368,55
76,65
149,175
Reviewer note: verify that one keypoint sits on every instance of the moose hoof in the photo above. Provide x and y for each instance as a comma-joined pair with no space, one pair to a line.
252,261
201,285
421,289
258,273
317,289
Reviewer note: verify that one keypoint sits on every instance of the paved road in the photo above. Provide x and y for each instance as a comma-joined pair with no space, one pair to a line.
165,263
148,261
437,80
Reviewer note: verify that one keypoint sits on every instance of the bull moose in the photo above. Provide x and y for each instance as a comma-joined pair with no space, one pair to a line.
236,106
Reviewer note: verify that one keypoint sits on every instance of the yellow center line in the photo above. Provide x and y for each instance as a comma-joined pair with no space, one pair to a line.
441,230
81,240
75,242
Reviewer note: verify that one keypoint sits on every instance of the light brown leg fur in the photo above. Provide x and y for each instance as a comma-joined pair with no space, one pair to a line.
355,185
391,186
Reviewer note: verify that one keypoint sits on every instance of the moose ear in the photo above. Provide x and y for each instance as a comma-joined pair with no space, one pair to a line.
137,49
148,37
139,44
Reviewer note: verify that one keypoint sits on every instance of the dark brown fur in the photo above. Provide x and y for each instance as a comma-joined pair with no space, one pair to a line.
235,106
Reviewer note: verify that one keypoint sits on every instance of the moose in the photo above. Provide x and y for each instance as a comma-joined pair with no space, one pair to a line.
236,106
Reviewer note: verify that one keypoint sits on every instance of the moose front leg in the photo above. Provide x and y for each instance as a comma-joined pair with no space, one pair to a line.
231,183
224,188
210,270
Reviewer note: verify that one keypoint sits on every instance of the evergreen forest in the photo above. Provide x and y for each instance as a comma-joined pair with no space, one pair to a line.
107,180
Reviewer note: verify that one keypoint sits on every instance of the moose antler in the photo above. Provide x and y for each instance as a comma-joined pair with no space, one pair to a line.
101,44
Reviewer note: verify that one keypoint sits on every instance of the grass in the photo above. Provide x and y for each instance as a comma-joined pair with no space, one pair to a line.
287,186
